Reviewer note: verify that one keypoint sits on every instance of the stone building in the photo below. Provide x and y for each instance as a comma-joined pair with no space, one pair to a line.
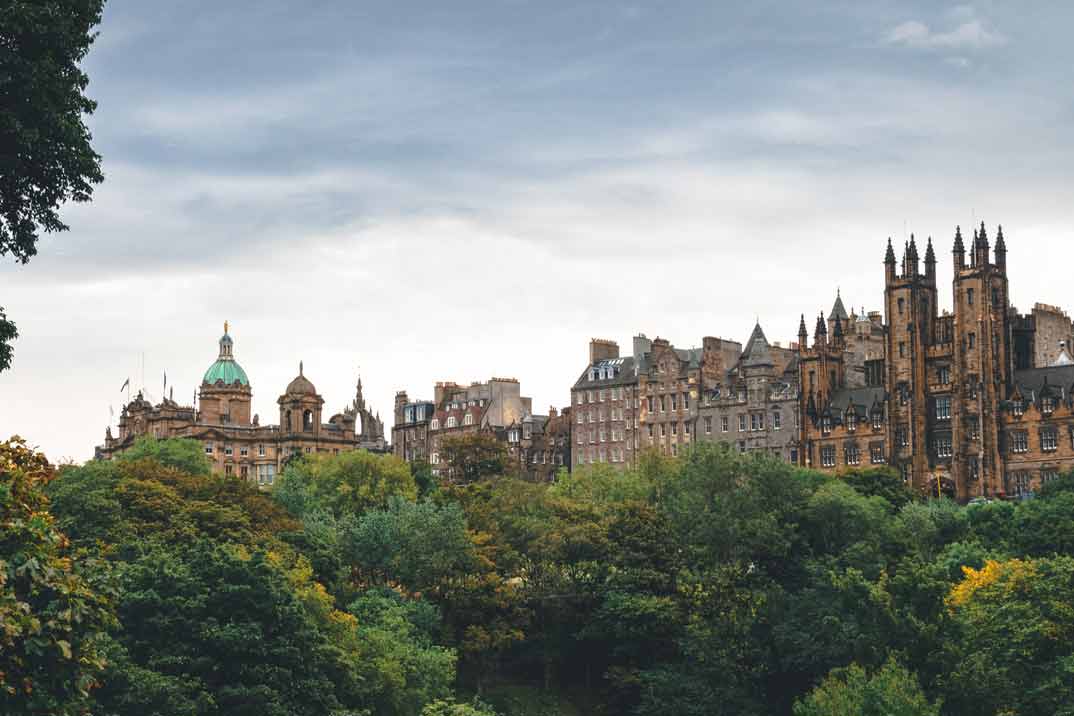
965,402
754,406
422,426
541,444
605,405
233,439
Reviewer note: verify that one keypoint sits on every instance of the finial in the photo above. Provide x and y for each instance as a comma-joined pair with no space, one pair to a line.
300,367
225,328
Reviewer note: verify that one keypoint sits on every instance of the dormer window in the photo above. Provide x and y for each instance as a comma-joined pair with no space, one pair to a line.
1047,405
451,422
878,420
1018,408
592,373
469,419
825,425
435,425
851,422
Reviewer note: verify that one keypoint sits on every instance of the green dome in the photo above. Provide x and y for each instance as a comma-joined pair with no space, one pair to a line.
226,370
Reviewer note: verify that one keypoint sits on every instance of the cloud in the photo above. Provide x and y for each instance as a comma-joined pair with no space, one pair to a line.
970,35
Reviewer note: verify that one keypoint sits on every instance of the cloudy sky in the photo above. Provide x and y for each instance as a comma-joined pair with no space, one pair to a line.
454,190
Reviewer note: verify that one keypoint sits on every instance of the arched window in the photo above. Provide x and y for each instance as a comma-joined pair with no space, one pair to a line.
287,421
307,420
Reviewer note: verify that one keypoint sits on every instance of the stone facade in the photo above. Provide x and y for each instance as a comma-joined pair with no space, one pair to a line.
958,403
604,403
541,444
236,442
754,406
422,426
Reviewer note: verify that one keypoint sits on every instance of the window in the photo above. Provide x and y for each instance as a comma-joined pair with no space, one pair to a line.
663,429
603,435
674,429
851,422
435,458
827,456
876,454
244,451
227,450
742,423
581,417
1020,441
777,421
208,448
942,446
902,304
261,450
995,296
589,396
685,401
1049,439
579,397
708,425
878,420
969,296
435,425
451,422
852,455
649,401
307,420
581,438
794,455
904,394
742,446
943,408
650,431
902,438
944,374
1018,408
1047,475
592,416
1019,483
973,340
674,401
469,419
244,471
974,428
973,468
902,349
309,450
663,403
229,470
1047,405
603,394
825,425
753,422
724,423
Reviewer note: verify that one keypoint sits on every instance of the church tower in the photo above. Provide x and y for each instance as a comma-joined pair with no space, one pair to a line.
982,375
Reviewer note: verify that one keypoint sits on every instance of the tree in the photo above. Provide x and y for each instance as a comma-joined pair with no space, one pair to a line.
472,457
45,153
891,691
52,617
183,454
348,483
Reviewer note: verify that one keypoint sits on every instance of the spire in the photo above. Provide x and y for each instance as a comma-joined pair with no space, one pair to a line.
982,237
889,256
821,329
959,248
930,255
839,311
837,331
802,332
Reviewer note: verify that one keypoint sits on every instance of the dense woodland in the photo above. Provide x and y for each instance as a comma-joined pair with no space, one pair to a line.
714,583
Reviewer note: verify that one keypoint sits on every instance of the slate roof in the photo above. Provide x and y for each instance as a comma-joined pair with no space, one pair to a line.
1032,380
838,310
626,375
862,399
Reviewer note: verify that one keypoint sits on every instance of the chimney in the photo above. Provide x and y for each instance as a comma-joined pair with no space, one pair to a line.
600,349
642,345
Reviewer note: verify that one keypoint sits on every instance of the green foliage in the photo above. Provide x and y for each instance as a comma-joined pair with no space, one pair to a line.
45,153
183,454
471,457
885,482
450,707
8,334
890,691
53,616
348,483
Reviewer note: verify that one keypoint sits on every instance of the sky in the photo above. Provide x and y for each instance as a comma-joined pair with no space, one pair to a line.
423,191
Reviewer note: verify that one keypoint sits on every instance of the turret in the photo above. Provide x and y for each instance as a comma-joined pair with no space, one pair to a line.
980,248
912,257
1001,250
837,335
820,334
930,263
803,335
889,263
959,250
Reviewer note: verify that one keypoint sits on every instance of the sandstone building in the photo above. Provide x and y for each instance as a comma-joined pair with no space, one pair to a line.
971,402
541,444
234,439
753,406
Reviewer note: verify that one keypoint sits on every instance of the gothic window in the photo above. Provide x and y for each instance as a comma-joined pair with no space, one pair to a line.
674,401
1049,439
663,429
777,420
1017,408
827,456
825,425
995,296
649,403
1047,475
674,429
973,468
1047,405
876,454
944,374
1018,483
942,446
852,455
975,428
1019,441
902,438
943,408
851,421
878,420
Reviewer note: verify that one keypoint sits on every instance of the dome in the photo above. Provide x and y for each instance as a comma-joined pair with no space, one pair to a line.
300,385
226,368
